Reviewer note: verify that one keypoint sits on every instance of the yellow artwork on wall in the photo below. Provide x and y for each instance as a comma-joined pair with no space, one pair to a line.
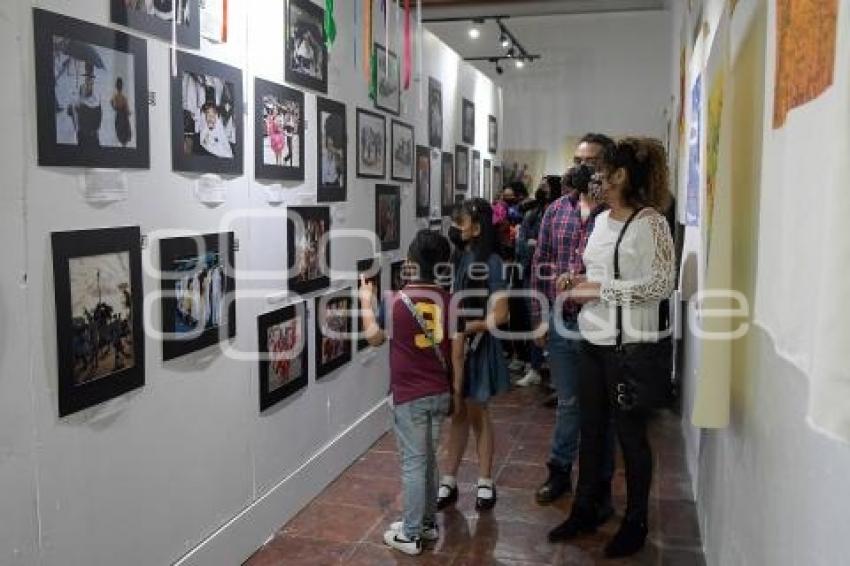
805,53
712,154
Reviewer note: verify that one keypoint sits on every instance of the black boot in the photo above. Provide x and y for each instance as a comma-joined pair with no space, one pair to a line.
557,484
604,507
628,540
581,520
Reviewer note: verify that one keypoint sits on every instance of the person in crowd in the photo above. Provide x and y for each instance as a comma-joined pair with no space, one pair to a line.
479,278
632,180
422,351
564,231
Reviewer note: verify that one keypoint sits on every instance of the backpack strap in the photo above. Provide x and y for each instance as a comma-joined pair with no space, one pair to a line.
424,326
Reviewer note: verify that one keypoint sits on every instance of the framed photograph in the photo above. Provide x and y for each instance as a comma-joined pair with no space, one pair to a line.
435,113
397,275
487,189
371,270
401,142
92,94
388,216
423,181
389,82
333,331
156,17
462,168
332,151
468,122
214,20
492,134
476,174
198,292
498,179
371,145
99,329
284,359
447,191
207,128
306,57
308,248
278,132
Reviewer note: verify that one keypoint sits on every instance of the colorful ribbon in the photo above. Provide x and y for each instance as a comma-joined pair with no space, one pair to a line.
408,59
330,23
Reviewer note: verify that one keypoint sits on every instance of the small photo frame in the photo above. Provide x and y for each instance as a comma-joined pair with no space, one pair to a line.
278,132
92,94
435,113
423,181
207,126
284,355
371,269
389,83
306,57
402,147
333,331
331,151
447,186
157,18
476,174
371,145
492,134
198,292
487,189
462,168
308,248
468,122
388,216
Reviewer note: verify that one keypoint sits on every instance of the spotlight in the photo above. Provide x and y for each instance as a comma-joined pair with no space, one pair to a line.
474,32
520,63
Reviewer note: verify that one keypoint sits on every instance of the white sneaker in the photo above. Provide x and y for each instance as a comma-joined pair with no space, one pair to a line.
398,541
530,378
429,534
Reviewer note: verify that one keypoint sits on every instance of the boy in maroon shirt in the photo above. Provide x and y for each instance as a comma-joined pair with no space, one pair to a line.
422,351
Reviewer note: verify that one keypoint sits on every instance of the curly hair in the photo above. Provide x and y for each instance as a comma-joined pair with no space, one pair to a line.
645,163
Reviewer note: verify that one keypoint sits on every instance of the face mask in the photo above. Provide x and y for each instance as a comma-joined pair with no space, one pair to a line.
456,236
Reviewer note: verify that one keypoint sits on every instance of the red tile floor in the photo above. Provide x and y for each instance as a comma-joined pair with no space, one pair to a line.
345,523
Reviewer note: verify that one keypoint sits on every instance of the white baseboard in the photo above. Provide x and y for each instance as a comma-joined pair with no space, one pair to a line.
235,541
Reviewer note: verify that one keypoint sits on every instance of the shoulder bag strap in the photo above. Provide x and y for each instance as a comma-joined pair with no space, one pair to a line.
617,275
424,326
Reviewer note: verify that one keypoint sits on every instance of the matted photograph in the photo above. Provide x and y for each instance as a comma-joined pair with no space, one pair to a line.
198,292
92,94
476,174
423,181
278,132
371,145
284,358
401,144
157,17
207,129
308,248
371,269
99,332
492,134
397,275
462,168
487,188
333,330
389,81
388,216
331,151
435,113
306,57
468,122
447,185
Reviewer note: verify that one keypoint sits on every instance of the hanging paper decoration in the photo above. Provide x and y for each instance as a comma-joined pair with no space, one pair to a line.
330,23
387,42
373,79
367,40
407,61
419,44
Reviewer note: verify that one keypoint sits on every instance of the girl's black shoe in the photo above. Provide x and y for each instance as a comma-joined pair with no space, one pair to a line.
580,521
628,540
486,503
447,496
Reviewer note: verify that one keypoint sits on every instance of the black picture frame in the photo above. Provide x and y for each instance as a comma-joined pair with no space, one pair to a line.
299,218
371,269
180,274
435,113
396,275
467,122
266,93
372,120
388,96
461,168
402,146
304,17
188,35
447,184
388,216
475,174
342,321
423,181
486,185
332,121
61,112
189,154
76,255
492,134
295,316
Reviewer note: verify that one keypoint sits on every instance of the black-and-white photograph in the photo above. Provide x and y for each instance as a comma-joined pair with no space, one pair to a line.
388,216
476,174
462,168
308,248
435,113
423,181
278,132
401,152
332,151
157,17
447,186
92,94
389,81
487,188
468,122
492,134
306,53
371,145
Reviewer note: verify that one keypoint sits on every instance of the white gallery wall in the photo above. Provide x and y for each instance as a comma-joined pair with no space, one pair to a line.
185,468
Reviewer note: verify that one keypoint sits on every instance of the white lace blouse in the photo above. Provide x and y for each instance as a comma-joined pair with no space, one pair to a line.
647,275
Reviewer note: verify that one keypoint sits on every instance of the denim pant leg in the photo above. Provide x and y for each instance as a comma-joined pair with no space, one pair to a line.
411,424
563,365
440,409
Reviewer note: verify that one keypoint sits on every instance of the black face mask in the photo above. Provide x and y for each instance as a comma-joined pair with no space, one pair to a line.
456,236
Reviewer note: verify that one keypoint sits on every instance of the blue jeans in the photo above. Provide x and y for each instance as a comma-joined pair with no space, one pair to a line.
417,429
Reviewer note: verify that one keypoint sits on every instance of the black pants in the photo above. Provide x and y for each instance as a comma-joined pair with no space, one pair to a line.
597,379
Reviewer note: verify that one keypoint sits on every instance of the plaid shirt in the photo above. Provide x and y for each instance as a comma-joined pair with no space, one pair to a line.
560,247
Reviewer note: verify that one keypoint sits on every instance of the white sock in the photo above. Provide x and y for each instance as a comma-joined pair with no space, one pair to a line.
485,482
450,481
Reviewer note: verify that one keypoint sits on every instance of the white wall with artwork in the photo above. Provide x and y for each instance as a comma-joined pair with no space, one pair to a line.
202,460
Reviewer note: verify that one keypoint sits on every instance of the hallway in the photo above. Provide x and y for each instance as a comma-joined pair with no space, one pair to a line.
346,522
